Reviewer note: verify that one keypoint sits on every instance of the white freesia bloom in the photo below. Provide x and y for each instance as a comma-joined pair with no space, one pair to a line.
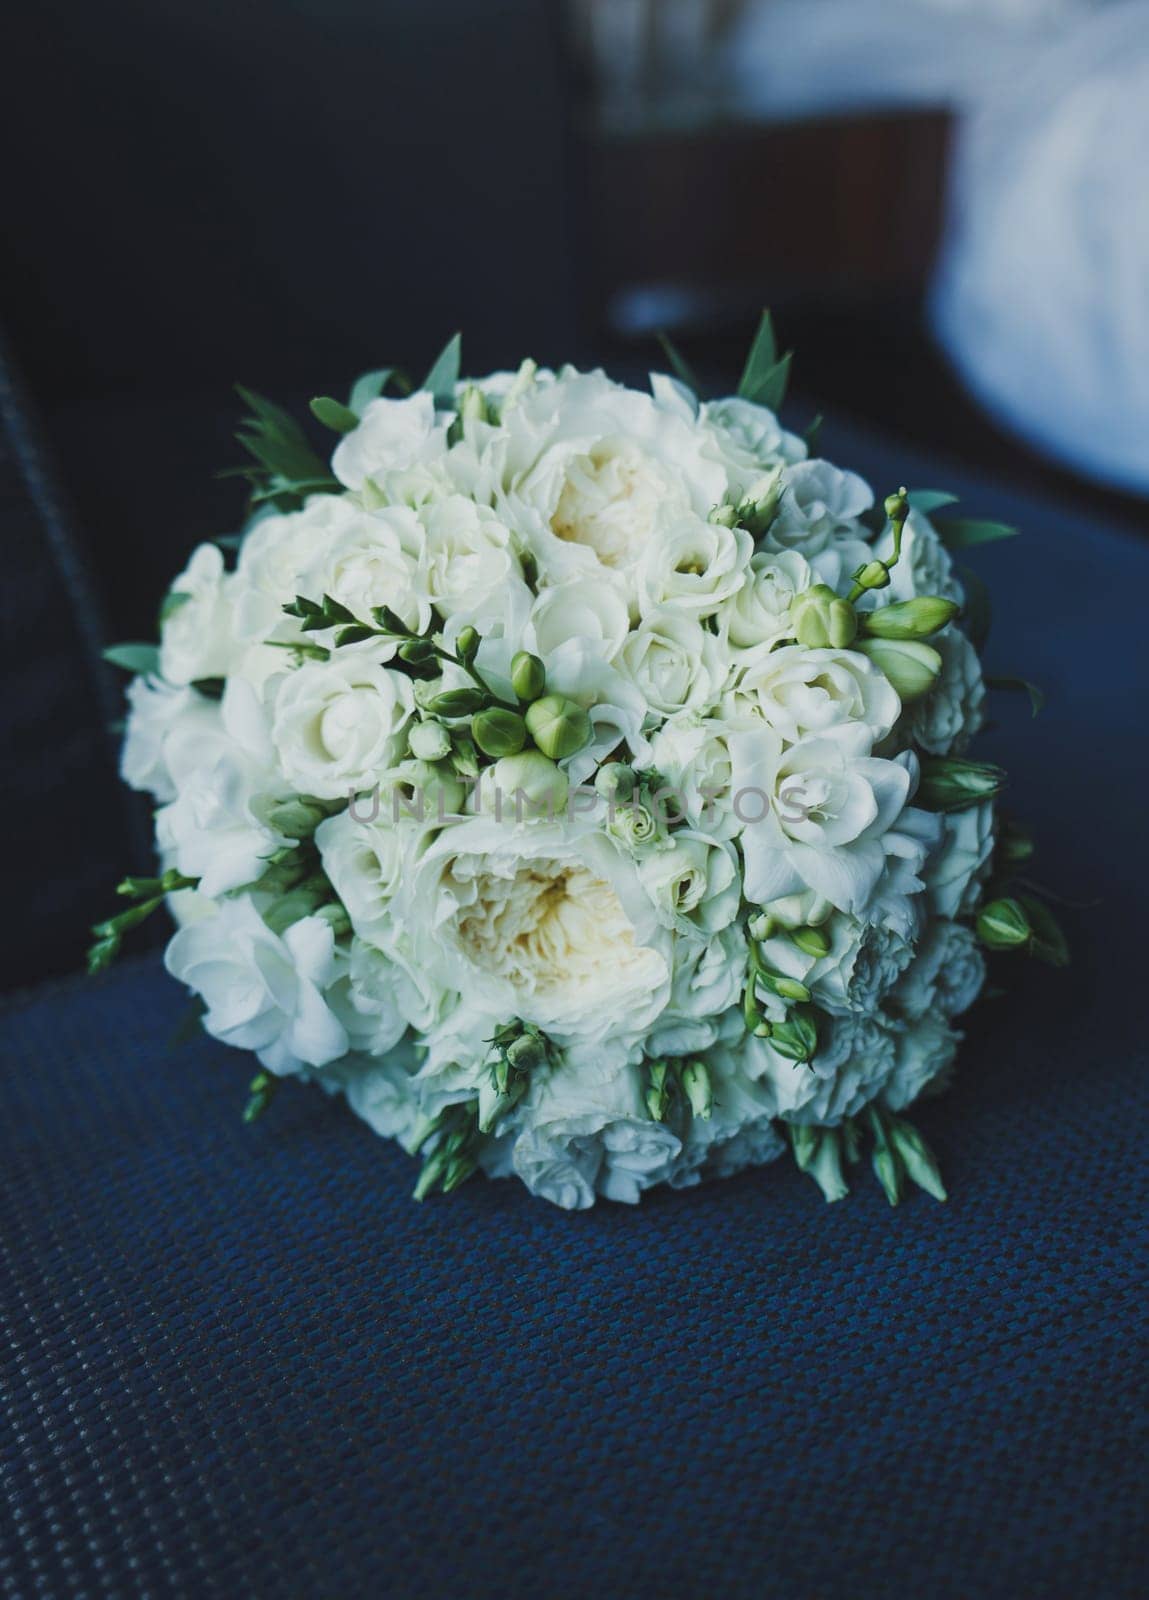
800,692
815,813
158,711
263,992
197,632
339,725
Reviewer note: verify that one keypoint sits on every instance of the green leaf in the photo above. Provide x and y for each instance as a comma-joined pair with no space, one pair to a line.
139,658
761,359
812,435
210,688
355,634
367,387
172,601
333,414
978,613
679,365
1036,695
444,374
927,500
1049,942
961,533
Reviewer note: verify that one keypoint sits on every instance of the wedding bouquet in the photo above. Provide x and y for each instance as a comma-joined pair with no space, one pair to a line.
573,778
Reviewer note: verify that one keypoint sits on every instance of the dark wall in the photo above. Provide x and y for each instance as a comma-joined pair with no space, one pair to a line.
282,192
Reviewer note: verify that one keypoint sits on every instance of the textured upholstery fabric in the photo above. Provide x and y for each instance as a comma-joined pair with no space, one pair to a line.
241,1361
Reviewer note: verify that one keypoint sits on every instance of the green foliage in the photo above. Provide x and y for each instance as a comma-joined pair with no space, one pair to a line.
962,533
286,468
444,373
138,658
766,374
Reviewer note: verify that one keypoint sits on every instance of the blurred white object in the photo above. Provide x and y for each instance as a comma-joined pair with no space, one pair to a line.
1042,297
795,58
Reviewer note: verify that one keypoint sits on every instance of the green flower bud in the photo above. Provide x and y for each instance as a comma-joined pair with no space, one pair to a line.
498,732
950,783
910,619
762,926
432,1174
724,516
422,788
911,667
528,675
784,988
390,621
658,1090
457,703
473,404
888,1170
527,780
897,506
874,575
559,726
429,741
825,1166
811,941
418,653
334,914
634,825
296,818
459,1169
821,618
917,1157
760,506
697,1088
526,1053
467,644
615,781
797,910
796,1038
1015,846
1003,925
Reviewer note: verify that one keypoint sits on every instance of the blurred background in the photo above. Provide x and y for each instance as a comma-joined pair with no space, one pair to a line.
943,201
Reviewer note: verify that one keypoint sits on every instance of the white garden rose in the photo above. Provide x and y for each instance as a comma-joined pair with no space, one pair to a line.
379,1089
365,862
275,555
263,992
748,439
196,635
923,1053
693,882
366,998
589,612
758,613
815,813
855,1059
800,692
392,436
156,710
468,563
546,922
708,980
339,725
691,753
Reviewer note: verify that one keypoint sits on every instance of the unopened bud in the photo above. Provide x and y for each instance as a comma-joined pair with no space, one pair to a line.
821,618
467,644
812,941
762,926
874,575
897,506
697,1088
473,404
917,1157
526,1053
498,732
795,910
418,653
760,505
657,1095
614,781
389,620
429,741
560,727
725,516
910,619
1003,925
804,1143
528,779
825,1167
796,1038
911,667
950,783
528,675
457,703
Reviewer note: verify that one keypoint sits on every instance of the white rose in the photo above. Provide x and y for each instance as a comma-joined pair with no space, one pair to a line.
156,711
759,612
392,435
197,630
815,814
366,1000
373,559
693,882
468,563
800,692
708,980
692,755
262,992
339,725
947,718
946,974
820,505
673,661
380,1090
855,1058
220,827
693,566
954,873
275,553
862,965
589,611
542,921
364,862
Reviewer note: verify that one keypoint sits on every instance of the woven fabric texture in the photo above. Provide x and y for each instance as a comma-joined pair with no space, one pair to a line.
241,1361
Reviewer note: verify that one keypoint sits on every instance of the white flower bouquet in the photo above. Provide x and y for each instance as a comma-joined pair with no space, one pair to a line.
573,779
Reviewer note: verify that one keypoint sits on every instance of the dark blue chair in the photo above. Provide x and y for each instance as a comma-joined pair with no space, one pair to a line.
240,1360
